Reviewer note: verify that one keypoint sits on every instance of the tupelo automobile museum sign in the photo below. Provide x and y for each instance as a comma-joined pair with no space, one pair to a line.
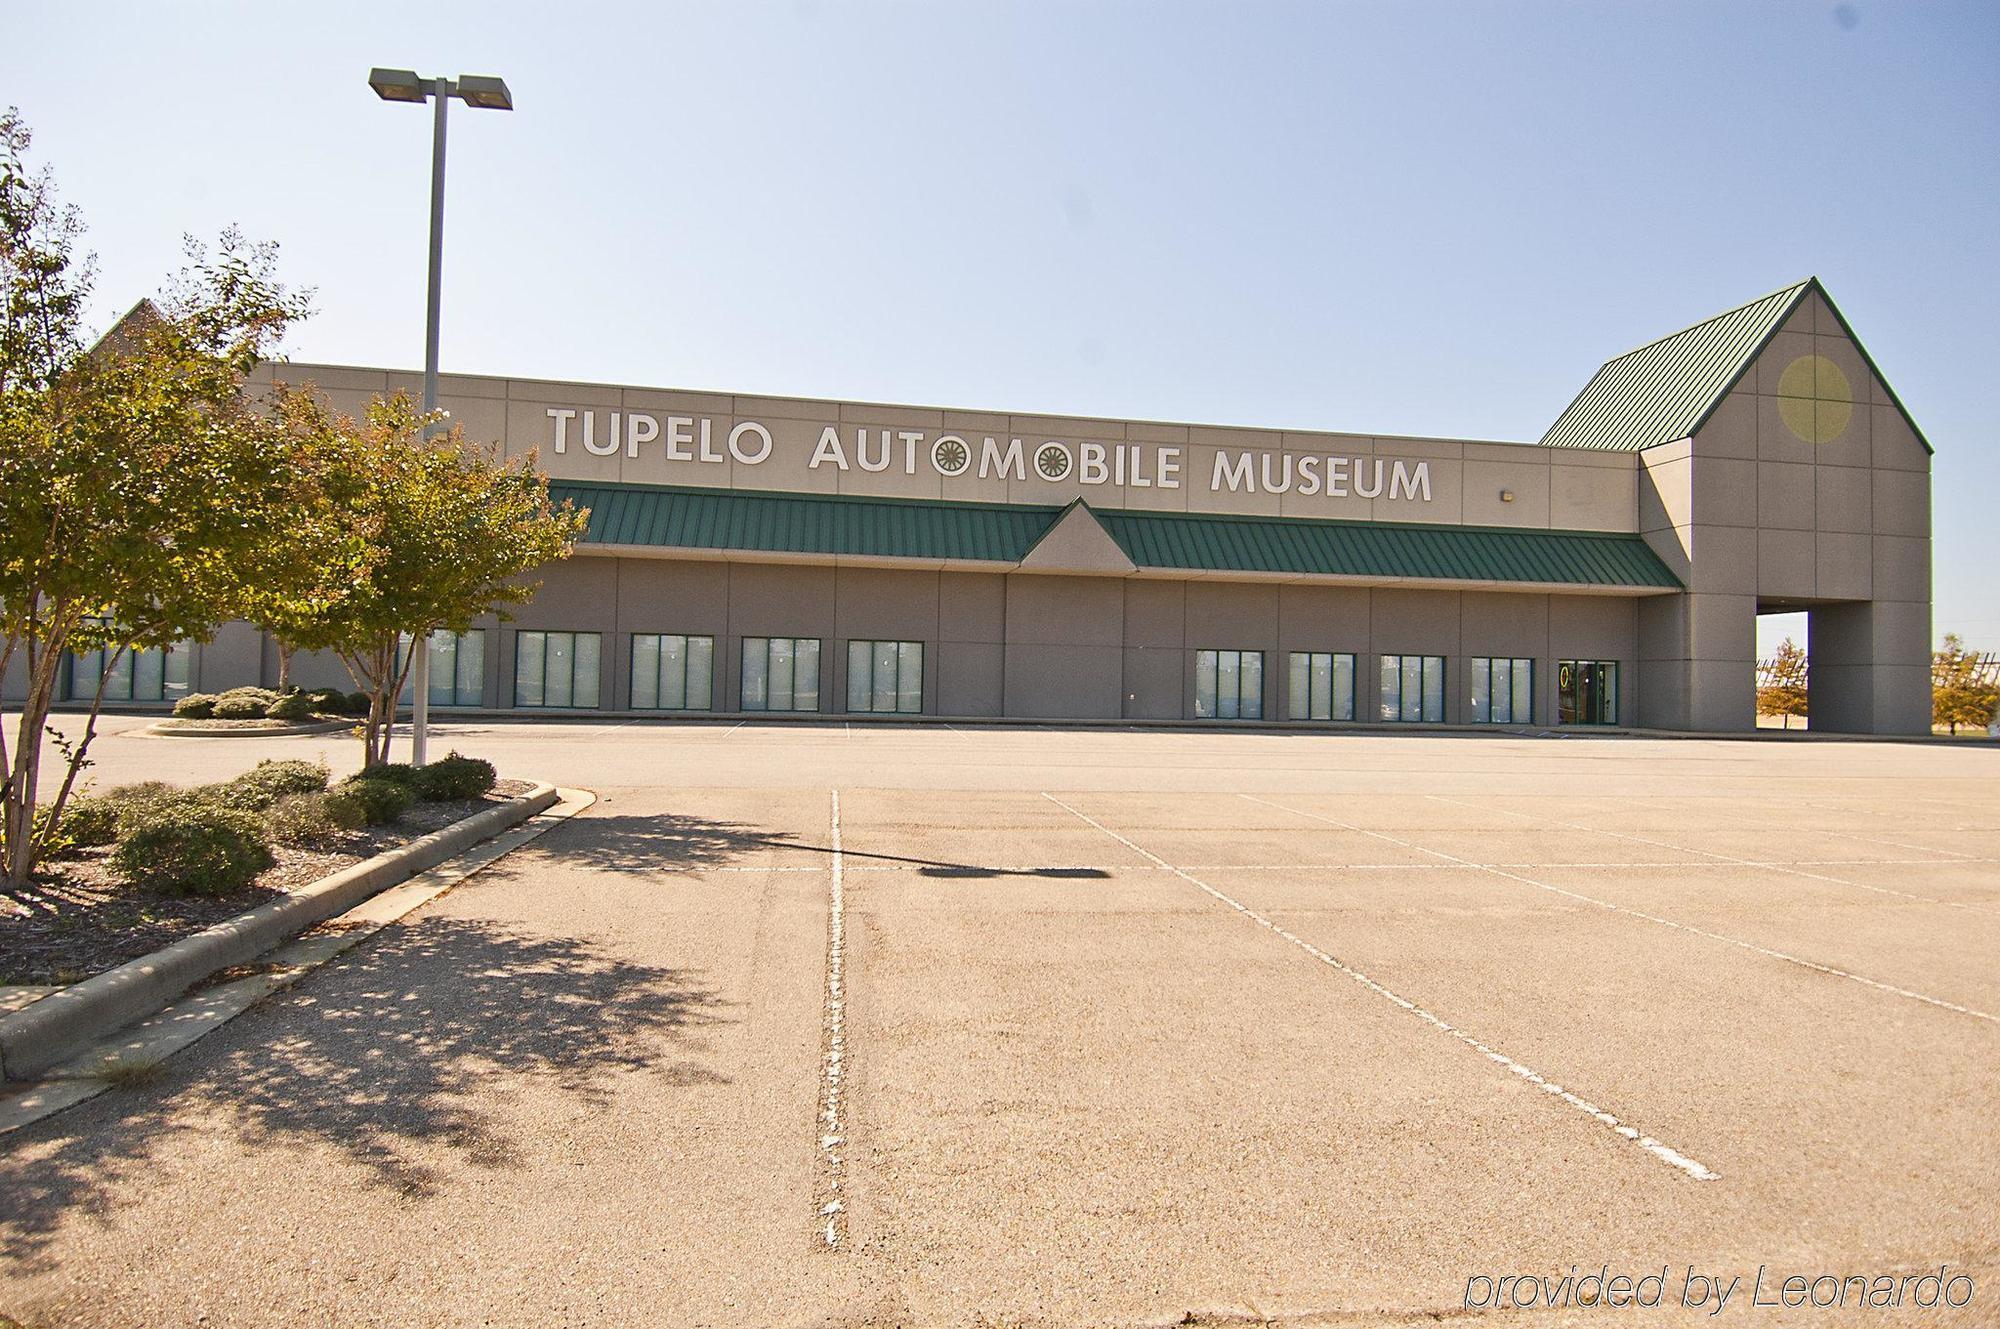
865,450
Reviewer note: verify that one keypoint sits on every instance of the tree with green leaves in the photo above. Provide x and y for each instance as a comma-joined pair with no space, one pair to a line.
1782,689
414,534
1963,689
140,492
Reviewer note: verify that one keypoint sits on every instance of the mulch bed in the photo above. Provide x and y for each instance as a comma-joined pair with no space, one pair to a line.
80,917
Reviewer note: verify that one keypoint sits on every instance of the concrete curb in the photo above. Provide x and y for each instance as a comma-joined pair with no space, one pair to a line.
62,1023
163,729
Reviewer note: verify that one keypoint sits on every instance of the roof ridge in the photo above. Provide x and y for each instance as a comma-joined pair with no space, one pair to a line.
1792,289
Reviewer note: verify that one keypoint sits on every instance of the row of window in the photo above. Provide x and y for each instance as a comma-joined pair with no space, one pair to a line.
676,672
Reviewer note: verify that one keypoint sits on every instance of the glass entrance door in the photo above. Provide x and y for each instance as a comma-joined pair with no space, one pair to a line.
1587,691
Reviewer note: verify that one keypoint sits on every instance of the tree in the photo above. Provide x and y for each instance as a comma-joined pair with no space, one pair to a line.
139,492
1963,689
1782,690
415,534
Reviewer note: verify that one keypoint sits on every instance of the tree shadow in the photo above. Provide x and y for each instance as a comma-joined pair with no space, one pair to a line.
384,1056
671,842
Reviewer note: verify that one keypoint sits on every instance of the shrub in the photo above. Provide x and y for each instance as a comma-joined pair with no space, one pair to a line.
267,782
382,801
195,706
134,804
327,701
358,703
89,821
263,696
229,707
454,777
316,818
395,772
194,849
291,706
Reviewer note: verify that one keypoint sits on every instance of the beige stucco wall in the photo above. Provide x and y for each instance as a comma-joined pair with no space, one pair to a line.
1551,488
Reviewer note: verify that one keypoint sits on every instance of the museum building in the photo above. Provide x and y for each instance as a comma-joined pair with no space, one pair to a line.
751,555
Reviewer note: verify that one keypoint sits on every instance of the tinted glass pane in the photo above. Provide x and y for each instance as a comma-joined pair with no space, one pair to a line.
1298,686
673,672
444,669
1482,697
1322,687
645,672
910,676
1413,688
529,648
701,673
1204,685
1226,663
470,681
1252,686
860,674
884,695
149,675
756,682
118,686
1434,688
1524,691
1392,687
781,673
588,672
559,674
179,656
1343,687
805,688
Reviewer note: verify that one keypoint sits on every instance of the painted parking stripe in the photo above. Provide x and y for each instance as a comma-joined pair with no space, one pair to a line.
1689,928
1665,1153
830,1214
1730,858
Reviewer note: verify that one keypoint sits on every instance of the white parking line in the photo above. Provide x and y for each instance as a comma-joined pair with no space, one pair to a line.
1663,1152
832,1203
1813,965
1722,858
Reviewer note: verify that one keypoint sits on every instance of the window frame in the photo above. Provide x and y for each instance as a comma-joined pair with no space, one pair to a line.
873,652
1427,690
408,695
1480,668
1210,659
1615,689
792,656
1333,659
689,652
170,667
542,674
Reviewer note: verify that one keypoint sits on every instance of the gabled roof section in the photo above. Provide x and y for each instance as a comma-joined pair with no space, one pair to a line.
1665,389
1077,542
778,523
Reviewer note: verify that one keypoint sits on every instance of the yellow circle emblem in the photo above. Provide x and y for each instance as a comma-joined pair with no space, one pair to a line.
1815,399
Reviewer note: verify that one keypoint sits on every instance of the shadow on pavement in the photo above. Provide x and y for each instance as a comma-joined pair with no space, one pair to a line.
667,842
383,1057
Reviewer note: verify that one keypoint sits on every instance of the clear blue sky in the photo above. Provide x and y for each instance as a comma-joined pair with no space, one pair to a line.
1406,218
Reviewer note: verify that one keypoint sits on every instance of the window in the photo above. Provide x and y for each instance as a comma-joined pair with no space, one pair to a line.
781,673
671,672
555,669
458,668
1503,691
885,676
150,675
1413,688
1322,686
1587,691
1229,685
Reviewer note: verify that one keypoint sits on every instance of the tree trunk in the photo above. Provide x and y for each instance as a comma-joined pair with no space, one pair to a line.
284,666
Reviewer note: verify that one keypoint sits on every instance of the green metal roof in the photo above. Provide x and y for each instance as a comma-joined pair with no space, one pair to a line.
836,524
696,518
1199,542
1665,389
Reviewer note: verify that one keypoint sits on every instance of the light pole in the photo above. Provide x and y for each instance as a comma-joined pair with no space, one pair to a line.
486,94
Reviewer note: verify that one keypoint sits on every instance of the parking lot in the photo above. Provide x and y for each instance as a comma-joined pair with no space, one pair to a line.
820,1024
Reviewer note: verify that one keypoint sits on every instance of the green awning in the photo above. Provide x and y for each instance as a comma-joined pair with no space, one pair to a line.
1390,550
839,525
